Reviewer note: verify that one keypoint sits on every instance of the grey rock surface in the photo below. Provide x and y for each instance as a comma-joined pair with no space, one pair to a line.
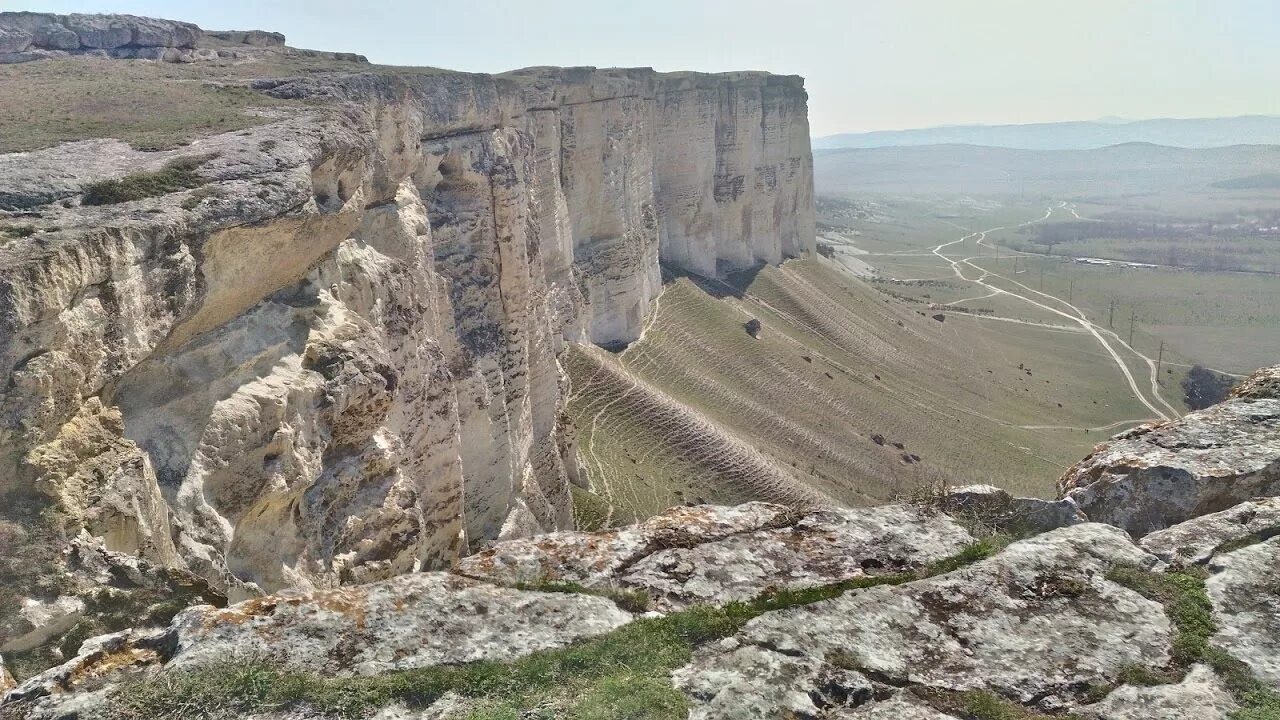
1000,511
822,547
597,559
1195,541
1037,621
1161,474
409,621
714,555
14,40
728,681
901,706
1200,695
1245,590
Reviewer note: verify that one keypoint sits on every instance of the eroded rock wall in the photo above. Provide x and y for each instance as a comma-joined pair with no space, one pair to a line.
337,360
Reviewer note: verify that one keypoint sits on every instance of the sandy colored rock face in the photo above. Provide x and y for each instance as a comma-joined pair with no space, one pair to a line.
337,361
1159,475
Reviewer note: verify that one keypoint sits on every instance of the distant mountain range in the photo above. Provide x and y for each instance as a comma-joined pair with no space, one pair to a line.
1077,135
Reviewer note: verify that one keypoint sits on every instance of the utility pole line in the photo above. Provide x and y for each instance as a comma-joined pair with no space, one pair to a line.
1111,315
1071,290
1133,315
1159,362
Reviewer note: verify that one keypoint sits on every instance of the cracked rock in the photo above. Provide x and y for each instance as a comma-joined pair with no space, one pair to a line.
1245,590
1036,622
1160,474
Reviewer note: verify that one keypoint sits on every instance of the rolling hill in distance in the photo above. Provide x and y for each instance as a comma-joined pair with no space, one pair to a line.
1075,135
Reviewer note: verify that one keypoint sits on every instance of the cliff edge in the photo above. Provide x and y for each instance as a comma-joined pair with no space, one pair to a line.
959,604
323,348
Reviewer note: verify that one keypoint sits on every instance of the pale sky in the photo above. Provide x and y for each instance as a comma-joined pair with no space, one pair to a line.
880,65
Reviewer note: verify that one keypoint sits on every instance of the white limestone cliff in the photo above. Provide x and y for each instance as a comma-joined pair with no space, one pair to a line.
337,360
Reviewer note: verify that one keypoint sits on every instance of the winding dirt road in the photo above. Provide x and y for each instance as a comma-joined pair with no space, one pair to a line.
1073,313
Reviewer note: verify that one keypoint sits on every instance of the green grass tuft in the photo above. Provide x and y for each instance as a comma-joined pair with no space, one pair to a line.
981,705
624,674
1187,604
176,175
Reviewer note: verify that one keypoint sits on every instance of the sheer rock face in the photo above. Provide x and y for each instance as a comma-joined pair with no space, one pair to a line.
337,360
1160,474
26,36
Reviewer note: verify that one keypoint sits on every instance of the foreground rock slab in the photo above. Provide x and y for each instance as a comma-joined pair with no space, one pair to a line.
1195,541
407,622
1036,622
1245,590
714,555
1200,695
822,547
410,621
1161,474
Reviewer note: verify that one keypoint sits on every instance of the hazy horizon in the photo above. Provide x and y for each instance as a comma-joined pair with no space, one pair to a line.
891,66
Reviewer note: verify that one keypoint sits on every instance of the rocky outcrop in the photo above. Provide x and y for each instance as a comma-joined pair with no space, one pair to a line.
889,612
334,357
1161,474
695,556
1245,590
1031,623
258,38
28,36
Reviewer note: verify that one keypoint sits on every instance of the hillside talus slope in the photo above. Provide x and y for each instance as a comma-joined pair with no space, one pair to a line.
325,349
965,604
843,394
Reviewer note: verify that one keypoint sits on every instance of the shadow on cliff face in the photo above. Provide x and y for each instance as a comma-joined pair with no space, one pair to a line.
731,284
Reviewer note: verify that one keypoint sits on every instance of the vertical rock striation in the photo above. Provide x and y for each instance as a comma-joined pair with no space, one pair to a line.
337,361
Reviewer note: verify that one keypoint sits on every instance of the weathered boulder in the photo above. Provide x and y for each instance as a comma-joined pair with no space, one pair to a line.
1161,474
594,559
56,36
1263,384
998,510
259,38
14,40
1195,541
100,31
1037,622
409,621
900,706
822,547
1200,695
1245,590
710,554
730,681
